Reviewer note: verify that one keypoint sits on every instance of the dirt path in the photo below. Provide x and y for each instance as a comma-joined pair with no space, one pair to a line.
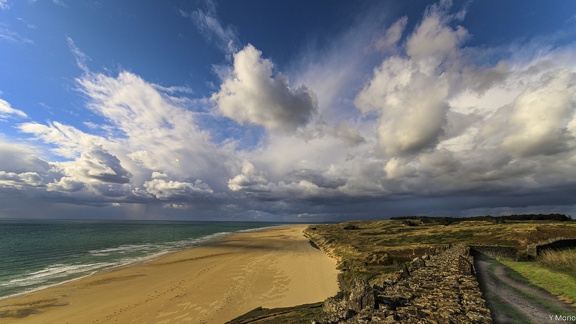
506,304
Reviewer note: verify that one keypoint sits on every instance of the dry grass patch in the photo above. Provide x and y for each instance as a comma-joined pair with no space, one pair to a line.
563,261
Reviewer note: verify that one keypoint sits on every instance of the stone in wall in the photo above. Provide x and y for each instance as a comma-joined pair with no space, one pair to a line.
439,288
361,296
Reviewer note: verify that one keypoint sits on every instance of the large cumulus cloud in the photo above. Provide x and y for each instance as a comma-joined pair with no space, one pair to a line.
542,116
254,94
409,93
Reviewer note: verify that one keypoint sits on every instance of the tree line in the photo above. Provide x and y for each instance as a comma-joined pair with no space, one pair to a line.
489,218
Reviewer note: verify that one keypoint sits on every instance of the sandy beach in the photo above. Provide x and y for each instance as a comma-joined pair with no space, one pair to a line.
274,267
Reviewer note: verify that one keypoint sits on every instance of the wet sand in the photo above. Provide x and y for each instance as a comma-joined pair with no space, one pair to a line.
274,267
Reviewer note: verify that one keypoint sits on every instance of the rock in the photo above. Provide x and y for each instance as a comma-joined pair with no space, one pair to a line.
388,303
361,296
404,273
478,318
417,263
335,311
349,314
379,259
465,267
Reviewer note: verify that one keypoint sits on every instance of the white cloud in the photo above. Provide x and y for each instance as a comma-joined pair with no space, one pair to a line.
393,34
433,40
253,94
249,179
66,184
4,5
349,135
148,132
95,174
541,114
440,162
168,189
212,28
159,132
81,57
332,178
97,164
412,94
13,37
410,103
19,158
398,168
6,111
421,117
20,180
159,175
69,141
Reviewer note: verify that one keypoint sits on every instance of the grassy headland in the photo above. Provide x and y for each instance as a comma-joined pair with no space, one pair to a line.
375,250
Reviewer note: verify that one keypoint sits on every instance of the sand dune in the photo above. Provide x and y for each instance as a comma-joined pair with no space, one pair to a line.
271,268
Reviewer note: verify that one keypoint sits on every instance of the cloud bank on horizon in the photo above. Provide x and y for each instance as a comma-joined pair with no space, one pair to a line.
400,110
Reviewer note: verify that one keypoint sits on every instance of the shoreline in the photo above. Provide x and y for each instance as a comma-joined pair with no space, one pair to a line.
199,242
212,283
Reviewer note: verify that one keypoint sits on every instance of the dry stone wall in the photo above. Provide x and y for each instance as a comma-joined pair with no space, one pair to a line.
554,244
496,251
431,289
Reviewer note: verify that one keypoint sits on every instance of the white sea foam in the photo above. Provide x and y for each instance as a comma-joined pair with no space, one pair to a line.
258,228
54,272
123,249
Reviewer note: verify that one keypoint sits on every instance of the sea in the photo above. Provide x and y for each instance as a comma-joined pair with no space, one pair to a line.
35,254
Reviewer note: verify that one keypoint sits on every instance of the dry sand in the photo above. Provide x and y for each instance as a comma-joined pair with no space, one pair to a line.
270,268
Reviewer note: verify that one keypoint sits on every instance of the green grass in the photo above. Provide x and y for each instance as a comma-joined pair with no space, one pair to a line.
552,308
559,284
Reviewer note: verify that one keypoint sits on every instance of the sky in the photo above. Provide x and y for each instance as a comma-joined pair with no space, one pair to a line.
293,111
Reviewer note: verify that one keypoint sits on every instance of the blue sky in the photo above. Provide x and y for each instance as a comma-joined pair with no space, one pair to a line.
291,111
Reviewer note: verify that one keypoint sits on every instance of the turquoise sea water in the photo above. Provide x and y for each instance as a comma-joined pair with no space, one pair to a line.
39,253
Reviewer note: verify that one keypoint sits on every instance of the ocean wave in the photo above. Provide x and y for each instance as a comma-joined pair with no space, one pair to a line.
53,272
124,249
155,248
